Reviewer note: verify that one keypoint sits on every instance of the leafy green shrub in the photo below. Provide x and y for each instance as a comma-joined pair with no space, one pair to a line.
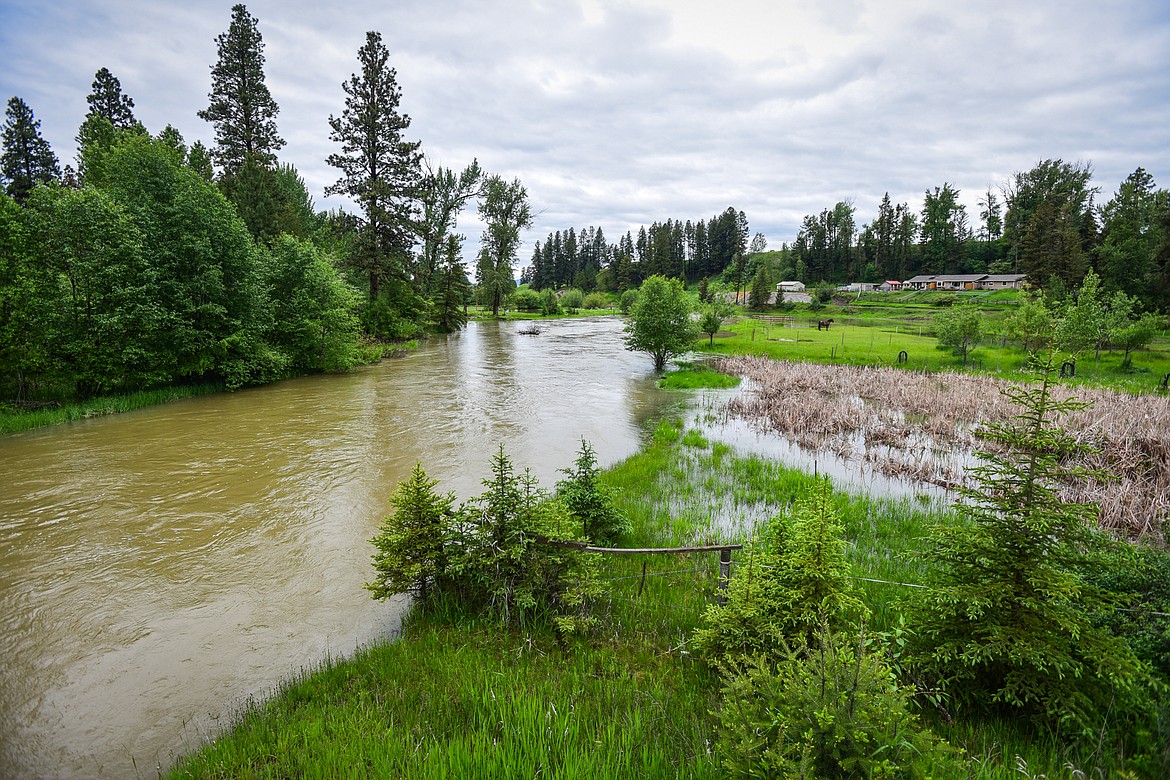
596,300
550,303
1146,591
572,300
590,502
527,299
627,300
833,711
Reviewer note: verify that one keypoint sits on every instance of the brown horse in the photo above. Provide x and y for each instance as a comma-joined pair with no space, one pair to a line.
824,324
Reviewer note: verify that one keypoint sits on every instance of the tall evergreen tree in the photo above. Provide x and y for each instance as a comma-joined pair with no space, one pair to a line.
28,160
107,100
449,300
241,107
380,170
1126,258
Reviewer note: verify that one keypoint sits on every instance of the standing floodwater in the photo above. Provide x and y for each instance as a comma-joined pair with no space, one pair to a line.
159,567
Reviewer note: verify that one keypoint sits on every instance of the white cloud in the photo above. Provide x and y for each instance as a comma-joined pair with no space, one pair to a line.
622,113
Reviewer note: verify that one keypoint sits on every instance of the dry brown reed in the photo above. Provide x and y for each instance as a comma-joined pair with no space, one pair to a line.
922,426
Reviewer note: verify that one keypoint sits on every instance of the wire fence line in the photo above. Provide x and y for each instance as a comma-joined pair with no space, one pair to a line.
723,574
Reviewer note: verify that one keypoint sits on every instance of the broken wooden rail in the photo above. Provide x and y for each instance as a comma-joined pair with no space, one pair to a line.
724,556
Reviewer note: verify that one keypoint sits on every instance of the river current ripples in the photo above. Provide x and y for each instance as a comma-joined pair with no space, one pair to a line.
159,568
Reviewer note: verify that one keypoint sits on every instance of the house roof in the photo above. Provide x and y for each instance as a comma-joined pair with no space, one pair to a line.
1005,277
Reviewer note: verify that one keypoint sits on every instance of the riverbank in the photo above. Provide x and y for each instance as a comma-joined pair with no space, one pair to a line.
458,697
14,418
21,417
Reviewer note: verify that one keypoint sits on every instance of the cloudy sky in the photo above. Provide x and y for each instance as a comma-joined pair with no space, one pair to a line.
620,113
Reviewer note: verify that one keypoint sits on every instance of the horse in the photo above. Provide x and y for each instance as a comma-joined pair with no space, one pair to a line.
824,324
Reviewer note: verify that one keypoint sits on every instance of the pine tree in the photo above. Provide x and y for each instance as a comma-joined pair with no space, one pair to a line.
761,289
28,160
380,170
241,107
106,100
1008,623
410,542
449,302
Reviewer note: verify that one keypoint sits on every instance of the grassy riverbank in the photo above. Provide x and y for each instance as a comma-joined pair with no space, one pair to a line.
456,697
15,418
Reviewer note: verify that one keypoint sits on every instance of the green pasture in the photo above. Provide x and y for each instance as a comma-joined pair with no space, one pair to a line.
878,335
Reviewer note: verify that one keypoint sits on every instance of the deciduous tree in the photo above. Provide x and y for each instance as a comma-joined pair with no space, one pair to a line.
959,329
506,211
660,321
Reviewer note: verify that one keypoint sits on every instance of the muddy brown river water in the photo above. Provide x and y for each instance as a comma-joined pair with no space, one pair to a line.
160,567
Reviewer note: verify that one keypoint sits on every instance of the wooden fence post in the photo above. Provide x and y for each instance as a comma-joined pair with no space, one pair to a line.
724,574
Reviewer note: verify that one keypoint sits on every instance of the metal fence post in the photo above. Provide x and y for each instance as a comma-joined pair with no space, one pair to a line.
724,573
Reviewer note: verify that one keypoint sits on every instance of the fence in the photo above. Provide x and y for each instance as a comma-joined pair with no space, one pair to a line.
723,549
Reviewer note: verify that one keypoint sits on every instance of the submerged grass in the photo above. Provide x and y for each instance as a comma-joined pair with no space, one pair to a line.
469,698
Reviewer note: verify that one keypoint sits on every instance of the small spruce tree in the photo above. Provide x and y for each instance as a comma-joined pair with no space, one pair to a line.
410,554
590,502
1008,623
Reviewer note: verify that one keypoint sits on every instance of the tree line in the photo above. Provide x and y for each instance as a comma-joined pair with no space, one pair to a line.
1045,222
154,262
688,250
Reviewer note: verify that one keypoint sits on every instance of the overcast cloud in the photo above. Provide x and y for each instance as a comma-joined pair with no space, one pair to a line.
618,114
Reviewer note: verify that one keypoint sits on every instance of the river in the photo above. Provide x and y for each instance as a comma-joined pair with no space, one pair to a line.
159,568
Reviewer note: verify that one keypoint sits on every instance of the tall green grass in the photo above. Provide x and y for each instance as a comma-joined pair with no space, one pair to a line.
14,419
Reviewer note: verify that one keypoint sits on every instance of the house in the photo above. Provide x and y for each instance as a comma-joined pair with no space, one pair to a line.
856,287
790,287
965,282
921,282
1003,281
890,285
